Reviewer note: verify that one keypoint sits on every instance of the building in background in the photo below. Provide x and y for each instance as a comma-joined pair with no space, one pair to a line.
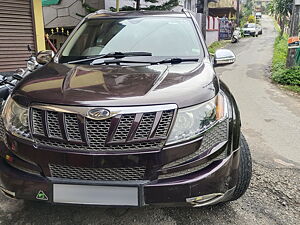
60,18
108,4
21,24
223,8
261,5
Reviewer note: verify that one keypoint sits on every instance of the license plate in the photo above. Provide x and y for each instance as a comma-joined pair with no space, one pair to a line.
96,195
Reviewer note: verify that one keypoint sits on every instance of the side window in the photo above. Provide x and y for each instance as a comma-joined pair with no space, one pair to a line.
81,45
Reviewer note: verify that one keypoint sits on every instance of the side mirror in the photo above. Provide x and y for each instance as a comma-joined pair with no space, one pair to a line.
43,57
223,57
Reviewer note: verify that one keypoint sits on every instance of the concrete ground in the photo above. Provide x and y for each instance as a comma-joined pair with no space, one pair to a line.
271,119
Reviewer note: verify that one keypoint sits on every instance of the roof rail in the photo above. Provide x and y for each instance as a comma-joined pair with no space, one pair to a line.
186,12
102,11
181,8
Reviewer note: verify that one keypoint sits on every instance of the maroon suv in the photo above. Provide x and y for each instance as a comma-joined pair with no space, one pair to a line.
130,112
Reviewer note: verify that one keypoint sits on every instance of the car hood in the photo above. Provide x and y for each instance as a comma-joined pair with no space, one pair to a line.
183,84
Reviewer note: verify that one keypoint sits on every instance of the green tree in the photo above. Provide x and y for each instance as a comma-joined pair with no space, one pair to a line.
282,9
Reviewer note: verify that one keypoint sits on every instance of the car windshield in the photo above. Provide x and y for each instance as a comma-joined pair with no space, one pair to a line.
160,36
250,25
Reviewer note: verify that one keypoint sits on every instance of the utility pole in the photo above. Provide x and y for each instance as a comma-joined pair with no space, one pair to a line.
294,32
238,13
117,5
204,17
138,4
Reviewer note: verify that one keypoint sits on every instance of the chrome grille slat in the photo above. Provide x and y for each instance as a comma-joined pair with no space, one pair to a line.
97,174
112,134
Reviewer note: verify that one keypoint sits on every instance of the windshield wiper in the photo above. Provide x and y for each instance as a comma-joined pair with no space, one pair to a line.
170,60
116,55
176,60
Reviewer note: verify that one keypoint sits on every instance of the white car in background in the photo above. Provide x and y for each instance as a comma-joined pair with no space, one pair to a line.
251,29
258,15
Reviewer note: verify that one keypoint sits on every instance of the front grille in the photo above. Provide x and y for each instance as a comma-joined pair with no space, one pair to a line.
163,126
2,130
73,132
97,174
212,137
53,125
124,127
37,122
145,126
124,132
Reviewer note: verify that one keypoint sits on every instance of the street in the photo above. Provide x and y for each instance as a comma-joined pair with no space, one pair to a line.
270,122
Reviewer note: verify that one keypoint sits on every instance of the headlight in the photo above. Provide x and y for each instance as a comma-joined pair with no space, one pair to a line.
15,119
192,121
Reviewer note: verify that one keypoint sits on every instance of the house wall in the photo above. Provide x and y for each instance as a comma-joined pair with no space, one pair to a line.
21,25
212,30
223,4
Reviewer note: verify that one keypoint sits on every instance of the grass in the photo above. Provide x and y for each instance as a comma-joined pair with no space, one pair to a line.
289,78
280,52
276,25
217,45
293,88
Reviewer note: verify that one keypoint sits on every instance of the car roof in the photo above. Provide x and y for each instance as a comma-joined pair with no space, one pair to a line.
141,13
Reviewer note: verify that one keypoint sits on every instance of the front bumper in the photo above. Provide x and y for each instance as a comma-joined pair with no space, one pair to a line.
217,180
201,172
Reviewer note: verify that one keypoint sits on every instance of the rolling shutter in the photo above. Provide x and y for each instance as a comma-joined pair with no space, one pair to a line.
16,32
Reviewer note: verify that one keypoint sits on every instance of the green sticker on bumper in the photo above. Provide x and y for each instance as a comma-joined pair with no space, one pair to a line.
42,196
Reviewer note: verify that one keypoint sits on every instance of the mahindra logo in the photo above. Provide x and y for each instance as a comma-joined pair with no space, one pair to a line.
99,114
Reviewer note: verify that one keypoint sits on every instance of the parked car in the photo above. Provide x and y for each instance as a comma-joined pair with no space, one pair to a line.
250,29
258,15
129,112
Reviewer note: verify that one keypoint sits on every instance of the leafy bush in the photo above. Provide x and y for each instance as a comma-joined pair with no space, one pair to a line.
287,76
251,19
217,45
280,74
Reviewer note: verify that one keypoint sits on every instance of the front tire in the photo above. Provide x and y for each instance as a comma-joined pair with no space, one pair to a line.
245,171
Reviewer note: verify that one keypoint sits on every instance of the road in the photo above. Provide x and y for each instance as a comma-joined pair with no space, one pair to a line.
271,119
